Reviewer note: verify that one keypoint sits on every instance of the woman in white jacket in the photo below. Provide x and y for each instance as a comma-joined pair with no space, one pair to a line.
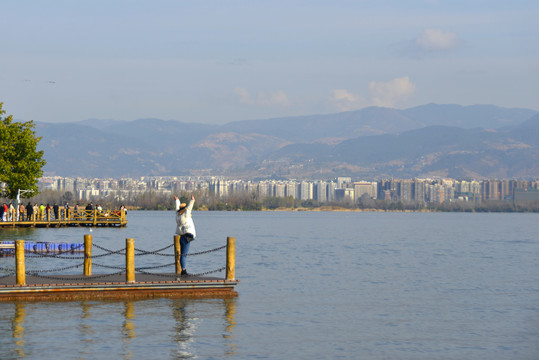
185,227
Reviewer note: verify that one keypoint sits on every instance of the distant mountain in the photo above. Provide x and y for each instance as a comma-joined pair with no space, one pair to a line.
478,141
468,117
430,151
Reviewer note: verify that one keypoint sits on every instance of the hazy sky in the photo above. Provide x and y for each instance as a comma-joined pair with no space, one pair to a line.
220,61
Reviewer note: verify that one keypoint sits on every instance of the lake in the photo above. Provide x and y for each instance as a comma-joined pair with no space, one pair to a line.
324,285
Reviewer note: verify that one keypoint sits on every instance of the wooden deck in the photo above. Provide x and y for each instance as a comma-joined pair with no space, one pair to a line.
129,282
114,286
93,218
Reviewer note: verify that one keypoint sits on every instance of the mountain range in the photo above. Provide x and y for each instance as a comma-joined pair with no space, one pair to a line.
480,141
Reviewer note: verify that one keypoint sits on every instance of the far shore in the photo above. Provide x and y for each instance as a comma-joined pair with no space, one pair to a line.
297,209
337,208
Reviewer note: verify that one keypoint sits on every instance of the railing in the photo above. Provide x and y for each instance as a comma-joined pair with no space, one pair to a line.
128,268
66,216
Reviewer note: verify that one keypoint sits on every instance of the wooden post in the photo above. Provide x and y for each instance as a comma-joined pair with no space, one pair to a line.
177,254
95,217
19,262
87,255
230,258
130,260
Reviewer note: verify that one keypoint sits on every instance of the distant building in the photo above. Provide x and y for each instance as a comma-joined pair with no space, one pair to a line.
526,196
365,188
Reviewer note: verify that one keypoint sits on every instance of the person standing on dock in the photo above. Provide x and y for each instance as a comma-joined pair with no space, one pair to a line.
66,211
21,212
29,211
56,210
12,212
185,228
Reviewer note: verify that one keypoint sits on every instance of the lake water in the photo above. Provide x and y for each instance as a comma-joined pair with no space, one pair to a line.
313,285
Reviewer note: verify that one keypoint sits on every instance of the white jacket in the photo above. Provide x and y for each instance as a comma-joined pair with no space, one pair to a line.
184,221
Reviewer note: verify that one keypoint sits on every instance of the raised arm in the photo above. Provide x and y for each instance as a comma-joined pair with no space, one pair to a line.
191,203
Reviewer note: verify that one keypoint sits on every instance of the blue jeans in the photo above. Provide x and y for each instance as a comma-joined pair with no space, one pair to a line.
184,249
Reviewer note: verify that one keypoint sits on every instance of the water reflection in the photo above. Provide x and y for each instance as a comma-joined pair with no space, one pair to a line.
151,328
12,234
18,329
184,329
86,332
230,324
128,328
186,320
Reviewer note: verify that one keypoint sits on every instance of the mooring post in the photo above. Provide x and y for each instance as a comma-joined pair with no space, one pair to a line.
19,262
177,253
130,260
230,258
87,255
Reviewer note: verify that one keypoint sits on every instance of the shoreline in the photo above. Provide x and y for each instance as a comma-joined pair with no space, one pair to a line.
343,209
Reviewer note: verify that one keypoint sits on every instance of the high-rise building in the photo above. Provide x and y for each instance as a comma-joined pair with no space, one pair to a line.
406,191
365,188
320,191
306,190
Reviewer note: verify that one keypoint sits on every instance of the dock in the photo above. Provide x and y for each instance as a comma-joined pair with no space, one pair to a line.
130,282
114,286
93,218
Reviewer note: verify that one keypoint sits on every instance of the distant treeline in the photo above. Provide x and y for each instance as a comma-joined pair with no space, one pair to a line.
151,200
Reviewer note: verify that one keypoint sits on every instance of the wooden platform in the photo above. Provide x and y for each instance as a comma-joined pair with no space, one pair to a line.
102,286
92,218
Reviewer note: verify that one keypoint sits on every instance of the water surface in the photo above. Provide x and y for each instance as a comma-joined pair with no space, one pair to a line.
313,285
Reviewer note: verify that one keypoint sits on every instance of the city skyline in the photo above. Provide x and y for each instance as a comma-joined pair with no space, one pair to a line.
340,189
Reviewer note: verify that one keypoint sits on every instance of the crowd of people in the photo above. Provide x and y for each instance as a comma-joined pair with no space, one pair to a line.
29,212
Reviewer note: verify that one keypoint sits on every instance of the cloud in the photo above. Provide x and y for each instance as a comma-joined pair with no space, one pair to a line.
384,94
346,101
278,98
436,40
390,93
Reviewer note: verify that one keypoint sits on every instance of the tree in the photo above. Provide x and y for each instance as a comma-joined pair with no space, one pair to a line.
20,162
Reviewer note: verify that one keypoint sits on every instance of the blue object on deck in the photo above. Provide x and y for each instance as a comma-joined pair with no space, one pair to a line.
7,248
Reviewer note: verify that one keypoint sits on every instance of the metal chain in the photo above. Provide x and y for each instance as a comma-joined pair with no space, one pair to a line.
53,270
206,251
154,252
209,272
178,275
38,255
121,252
109,266
110,252
154,267
79,278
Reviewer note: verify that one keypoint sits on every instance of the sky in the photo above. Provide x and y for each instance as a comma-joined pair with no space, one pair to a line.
216,62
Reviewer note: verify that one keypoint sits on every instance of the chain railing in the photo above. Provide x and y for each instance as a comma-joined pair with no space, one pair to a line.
56,216
125,268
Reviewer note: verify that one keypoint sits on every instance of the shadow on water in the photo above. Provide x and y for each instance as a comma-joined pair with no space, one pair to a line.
155,328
